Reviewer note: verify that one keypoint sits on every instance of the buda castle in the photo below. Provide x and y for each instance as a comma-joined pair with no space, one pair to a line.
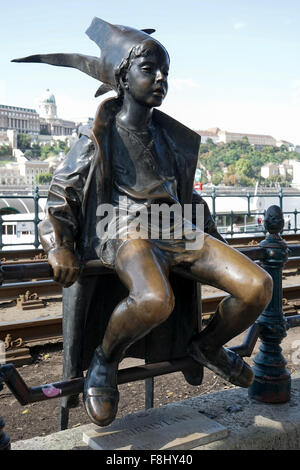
43,126
44,123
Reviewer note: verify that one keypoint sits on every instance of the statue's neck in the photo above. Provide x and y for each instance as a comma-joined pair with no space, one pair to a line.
134,115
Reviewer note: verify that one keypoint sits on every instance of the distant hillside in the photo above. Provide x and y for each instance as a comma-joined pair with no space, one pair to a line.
238,163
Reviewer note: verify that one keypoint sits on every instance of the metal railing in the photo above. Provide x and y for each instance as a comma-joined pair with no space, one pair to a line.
229,230
280,195
272,382
36,220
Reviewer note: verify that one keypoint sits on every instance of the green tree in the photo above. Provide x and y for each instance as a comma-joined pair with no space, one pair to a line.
63,146
28,154
4,150
36,150
244,168
23,142
239,162
44,178
46,151
217,178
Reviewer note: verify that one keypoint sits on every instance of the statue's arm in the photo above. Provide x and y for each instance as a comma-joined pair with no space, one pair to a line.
209,224
59,230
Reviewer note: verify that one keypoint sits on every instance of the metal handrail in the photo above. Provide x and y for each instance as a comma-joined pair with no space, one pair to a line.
213,194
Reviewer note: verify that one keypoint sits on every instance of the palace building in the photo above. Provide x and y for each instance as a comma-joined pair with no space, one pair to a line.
29,121
22,120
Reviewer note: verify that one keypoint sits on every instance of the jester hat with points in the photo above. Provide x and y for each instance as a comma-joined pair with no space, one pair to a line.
115,43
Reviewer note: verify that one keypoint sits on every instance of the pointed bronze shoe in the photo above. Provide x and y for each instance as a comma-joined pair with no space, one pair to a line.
100,394
101,404
224,362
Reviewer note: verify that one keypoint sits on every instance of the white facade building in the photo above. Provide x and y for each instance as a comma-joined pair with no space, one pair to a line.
22,171
296,174
268,170
10,174
217,135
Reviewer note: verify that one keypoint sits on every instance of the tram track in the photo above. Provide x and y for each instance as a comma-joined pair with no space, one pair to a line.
32,273
49,329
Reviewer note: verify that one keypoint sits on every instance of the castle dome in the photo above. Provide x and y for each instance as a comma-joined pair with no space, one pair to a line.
48,97
47,105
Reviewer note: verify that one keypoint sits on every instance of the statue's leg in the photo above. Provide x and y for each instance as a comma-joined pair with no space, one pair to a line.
250,289
150,302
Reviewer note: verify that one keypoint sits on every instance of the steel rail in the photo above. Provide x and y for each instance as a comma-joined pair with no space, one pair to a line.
43,330
12,290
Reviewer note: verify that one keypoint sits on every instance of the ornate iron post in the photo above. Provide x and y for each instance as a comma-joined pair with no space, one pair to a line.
36,216
272,381
213,200
1,231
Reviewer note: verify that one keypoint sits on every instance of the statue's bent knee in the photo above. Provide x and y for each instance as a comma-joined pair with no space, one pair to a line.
155,308
259,292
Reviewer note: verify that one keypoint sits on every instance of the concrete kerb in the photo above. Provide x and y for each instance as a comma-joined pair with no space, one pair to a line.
251,425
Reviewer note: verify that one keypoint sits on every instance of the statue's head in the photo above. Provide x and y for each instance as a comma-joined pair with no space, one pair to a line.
129,62
143,75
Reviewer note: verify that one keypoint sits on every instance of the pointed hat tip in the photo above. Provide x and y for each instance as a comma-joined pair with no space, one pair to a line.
148,30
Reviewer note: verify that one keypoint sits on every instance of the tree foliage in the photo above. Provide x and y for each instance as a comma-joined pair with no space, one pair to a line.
5,150
23,142
38,151
238,163
48,150
44,178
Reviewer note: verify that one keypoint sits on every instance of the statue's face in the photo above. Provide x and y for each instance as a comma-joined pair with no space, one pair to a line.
146,81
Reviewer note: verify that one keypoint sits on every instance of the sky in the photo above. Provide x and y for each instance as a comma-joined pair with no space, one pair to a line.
234,63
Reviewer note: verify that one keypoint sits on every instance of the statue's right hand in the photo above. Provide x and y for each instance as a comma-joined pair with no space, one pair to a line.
65,265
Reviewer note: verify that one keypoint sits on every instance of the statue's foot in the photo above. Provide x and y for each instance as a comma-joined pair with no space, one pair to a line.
100,394
227,364
193,374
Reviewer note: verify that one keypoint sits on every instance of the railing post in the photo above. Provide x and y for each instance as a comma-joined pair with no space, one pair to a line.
272,381
36,217
1,231
248,204
280,195
213,197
